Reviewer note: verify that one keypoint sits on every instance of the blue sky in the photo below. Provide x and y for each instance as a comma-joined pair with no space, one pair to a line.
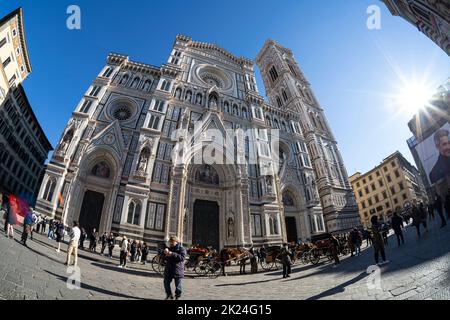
352,70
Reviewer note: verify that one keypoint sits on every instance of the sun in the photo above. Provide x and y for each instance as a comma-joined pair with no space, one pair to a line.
413,96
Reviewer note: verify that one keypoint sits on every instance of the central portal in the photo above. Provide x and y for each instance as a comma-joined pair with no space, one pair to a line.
205,228
91,211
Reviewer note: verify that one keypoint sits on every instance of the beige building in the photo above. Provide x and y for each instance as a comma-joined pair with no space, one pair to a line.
393,185
23,144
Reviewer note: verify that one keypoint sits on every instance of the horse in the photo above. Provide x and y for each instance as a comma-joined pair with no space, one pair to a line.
239,255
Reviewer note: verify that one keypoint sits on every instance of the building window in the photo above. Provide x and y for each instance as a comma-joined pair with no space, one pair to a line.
273,74
273,225
387,205
107,72
285,96
279,102
2,42
397,174
364,181
363,204
165,85
360,193
385,169
401,186
384,195
134,212
404,196
49,189
393,164
370,202
366,190
159,106
380,182
155,216
357,185
395,201
373,187
154,122
377,199
95,90
370,178
388,177
256,225
392,190
6,62
378,173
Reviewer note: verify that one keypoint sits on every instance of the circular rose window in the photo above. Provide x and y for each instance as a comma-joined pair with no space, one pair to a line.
122,113
213,76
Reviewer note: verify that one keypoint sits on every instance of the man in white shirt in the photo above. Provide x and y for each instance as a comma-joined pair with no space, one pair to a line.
73,243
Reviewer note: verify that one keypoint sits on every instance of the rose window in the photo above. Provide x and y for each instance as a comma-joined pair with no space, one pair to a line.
122,113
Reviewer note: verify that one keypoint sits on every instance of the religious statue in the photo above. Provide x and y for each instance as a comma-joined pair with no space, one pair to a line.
230,225
143,164
269,184
213,103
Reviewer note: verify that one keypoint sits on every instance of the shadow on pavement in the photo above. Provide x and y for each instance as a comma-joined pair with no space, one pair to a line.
338,289
100,290
128,271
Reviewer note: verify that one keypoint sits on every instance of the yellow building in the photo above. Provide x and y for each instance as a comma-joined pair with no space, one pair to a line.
392,185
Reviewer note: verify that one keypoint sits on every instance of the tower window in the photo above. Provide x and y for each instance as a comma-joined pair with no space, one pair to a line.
273,74
285,96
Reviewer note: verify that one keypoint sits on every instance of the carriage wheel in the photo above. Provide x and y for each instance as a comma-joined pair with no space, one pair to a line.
213,269
314,257
202,268
277,263
158,264
267,266
305,257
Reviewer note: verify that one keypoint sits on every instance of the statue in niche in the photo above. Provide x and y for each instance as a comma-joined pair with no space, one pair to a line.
213,102
287,199
143,159
269,184
230,225
67,139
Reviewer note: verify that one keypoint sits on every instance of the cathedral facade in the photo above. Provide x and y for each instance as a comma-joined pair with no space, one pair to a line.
143,154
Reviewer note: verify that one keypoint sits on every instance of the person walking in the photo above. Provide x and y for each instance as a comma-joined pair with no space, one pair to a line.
34,222
123,253
356,239
377,241
132,250
423,216
27,223
144,253
10,220
93,240
174,269
430,209
110,244
334,247
82,238
138,251
384,232
104,242
59,234
73,244
286,260
438,206
397,226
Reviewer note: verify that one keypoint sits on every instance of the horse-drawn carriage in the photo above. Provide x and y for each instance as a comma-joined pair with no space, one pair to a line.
322,247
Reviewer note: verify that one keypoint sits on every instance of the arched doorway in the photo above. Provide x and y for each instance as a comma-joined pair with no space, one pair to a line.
205,225
91,210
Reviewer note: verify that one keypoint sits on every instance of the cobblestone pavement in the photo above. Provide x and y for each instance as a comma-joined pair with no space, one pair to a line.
418,270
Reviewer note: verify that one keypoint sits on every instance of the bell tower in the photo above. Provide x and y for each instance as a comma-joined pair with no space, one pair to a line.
288,90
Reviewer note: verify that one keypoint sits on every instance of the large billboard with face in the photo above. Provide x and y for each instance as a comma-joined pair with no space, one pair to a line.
434,154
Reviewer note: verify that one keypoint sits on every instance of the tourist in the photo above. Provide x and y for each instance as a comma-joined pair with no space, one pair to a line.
82,238
286,260
438,206
133,249
10,218
27,224
430,209
93,240
397,225
423,216
104,242
34,221
123,253
73,244
138,251
377,240
144,253
417,220
174,269
355,241
59,234
4,215
38,224
44,225
51,230
334,247
385,231
111,245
